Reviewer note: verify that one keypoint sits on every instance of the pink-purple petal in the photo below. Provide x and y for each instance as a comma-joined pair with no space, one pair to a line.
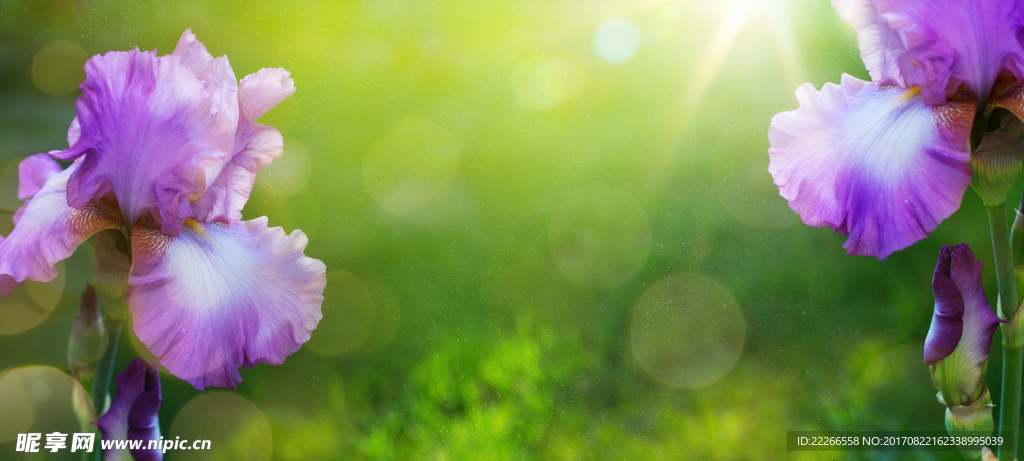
956,41
222,296
134,411
871,161
7,282
155,131
880,47
47,231
256,146
33,172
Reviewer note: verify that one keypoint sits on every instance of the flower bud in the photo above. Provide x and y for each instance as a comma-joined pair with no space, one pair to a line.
110,273
996,166
87,342
134,412
956,349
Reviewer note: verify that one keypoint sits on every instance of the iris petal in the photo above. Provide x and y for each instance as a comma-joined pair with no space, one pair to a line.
956,41
256,146
155,131
46,231
871,161
220,296
880,46
33,172
7,282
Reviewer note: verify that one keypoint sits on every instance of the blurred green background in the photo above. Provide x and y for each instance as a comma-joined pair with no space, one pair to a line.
549,230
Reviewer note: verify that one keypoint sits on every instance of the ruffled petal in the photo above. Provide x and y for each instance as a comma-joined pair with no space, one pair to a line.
133,412
871,161
7,282
256,146
155,131
220,296
880,47
47,230
955,41
33,172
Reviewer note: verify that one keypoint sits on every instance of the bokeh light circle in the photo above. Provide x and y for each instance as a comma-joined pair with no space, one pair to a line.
543,84
40,399
348,319
9,201
599,237
616,40
235,427
47,295
744,187
411,165
28,306
387,315
687,331
289,173
59,67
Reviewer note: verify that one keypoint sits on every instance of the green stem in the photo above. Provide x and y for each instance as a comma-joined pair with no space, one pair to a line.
105,370
1009,408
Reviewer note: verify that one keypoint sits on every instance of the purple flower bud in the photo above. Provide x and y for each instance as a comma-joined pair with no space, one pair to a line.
960,336
133,412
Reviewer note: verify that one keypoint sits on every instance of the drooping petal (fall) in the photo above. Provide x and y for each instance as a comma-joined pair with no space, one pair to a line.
956,41
874,162
256,146
222,296
7,282
154,131
134,412
47,231
33,172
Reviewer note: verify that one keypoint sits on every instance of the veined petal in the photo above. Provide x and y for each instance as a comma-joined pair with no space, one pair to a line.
1012,100
880,46
871,161
155,131
220,296
33,172
133,412
47,231
956,41
256,146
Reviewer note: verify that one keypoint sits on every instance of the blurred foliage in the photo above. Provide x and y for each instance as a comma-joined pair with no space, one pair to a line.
450,162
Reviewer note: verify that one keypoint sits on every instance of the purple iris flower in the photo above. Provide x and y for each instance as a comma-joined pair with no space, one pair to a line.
133,413
962,326
167,148
886,161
